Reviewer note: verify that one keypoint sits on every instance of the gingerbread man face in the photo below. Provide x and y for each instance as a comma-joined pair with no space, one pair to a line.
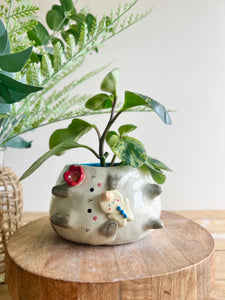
116,207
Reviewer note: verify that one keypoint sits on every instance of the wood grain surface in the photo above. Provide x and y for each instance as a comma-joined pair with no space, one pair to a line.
175,263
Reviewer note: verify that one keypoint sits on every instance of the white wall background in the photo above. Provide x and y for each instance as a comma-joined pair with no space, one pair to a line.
176,56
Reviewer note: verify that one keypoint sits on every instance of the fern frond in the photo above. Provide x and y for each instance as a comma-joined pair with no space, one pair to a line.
46,66
37,106
83,35
71,48
55,96
62,73
33,75
22,27
93,27
23,11
58,57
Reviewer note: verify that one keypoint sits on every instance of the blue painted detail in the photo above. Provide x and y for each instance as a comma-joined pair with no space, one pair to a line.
97,165
118,208
122,212
125,216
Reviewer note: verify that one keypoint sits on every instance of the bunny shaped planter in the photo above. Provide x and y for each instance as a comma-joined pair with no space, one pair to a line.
105,205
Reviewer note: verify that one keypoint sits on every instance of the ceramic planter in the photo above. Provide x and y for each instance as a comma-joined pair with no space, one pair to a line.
105,205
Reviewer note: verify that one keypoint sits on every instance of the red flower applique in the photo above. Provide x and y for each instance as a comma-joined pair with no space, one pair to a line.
74,175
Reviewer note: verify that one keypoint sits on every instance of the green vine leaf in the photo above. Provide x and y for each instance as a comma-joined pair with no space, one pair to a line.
124,129
158,164
110,82
100,101
159,177
128,149
66,145
134,99
73,132
155,167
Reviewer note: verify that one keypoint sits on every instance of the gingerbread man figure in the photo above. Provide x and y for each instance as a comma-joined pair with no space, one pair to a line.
116,207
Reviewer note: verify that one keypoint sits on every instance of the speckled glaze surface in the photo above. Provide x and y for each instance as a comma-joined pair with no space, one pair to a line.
106,206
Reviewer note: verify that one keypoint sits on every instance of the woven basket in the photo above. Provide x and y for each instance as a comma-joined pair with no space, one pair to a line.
11,205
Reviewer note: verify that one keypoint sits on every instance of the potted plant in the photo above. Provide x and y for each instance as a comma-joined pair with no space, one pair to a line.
107,203
36,58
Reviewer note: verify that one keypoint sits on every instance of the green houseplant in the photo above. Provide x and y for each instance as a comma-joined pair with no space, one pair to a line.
36,58
125,198
56,52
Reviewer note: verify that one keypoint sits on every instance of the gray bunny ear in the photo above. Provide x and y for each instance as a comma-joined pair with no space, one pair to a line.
115,182
153,190
60,190
154,224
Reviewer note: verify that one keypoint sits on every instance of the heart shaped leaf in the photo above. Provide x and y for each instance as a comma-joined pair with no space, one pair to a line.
73,132
158,164
128,149
110,82
100,101
155,171
133,99
124,129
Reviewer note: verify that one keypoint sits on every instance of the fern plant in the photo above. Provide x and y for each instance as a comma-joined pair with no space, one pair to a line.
18,16
73,35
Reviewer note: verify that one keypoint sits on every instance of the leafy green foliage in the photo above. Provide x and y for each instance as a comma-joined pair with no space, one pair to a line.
129,150
66,145
124,129
14,62
56,54
17,142
18,17
11,90
134,99
55,18
155,170
110,82
73,132
39,35
100,101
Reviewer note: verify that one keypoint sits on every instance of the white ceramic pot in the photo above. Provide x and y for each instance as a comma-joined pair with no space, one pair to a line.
105,205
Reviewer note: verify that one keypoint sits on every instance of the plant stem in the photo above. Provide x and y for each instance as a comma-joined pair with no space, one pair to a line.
98,132
112,119
113,160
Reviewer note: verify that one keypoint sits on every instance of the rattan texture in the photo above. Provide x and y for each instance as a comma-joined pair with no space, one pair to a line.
11,206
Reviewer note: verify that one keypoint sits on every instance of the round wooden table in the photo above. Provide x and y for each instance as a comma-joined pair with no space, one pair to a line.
176,263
